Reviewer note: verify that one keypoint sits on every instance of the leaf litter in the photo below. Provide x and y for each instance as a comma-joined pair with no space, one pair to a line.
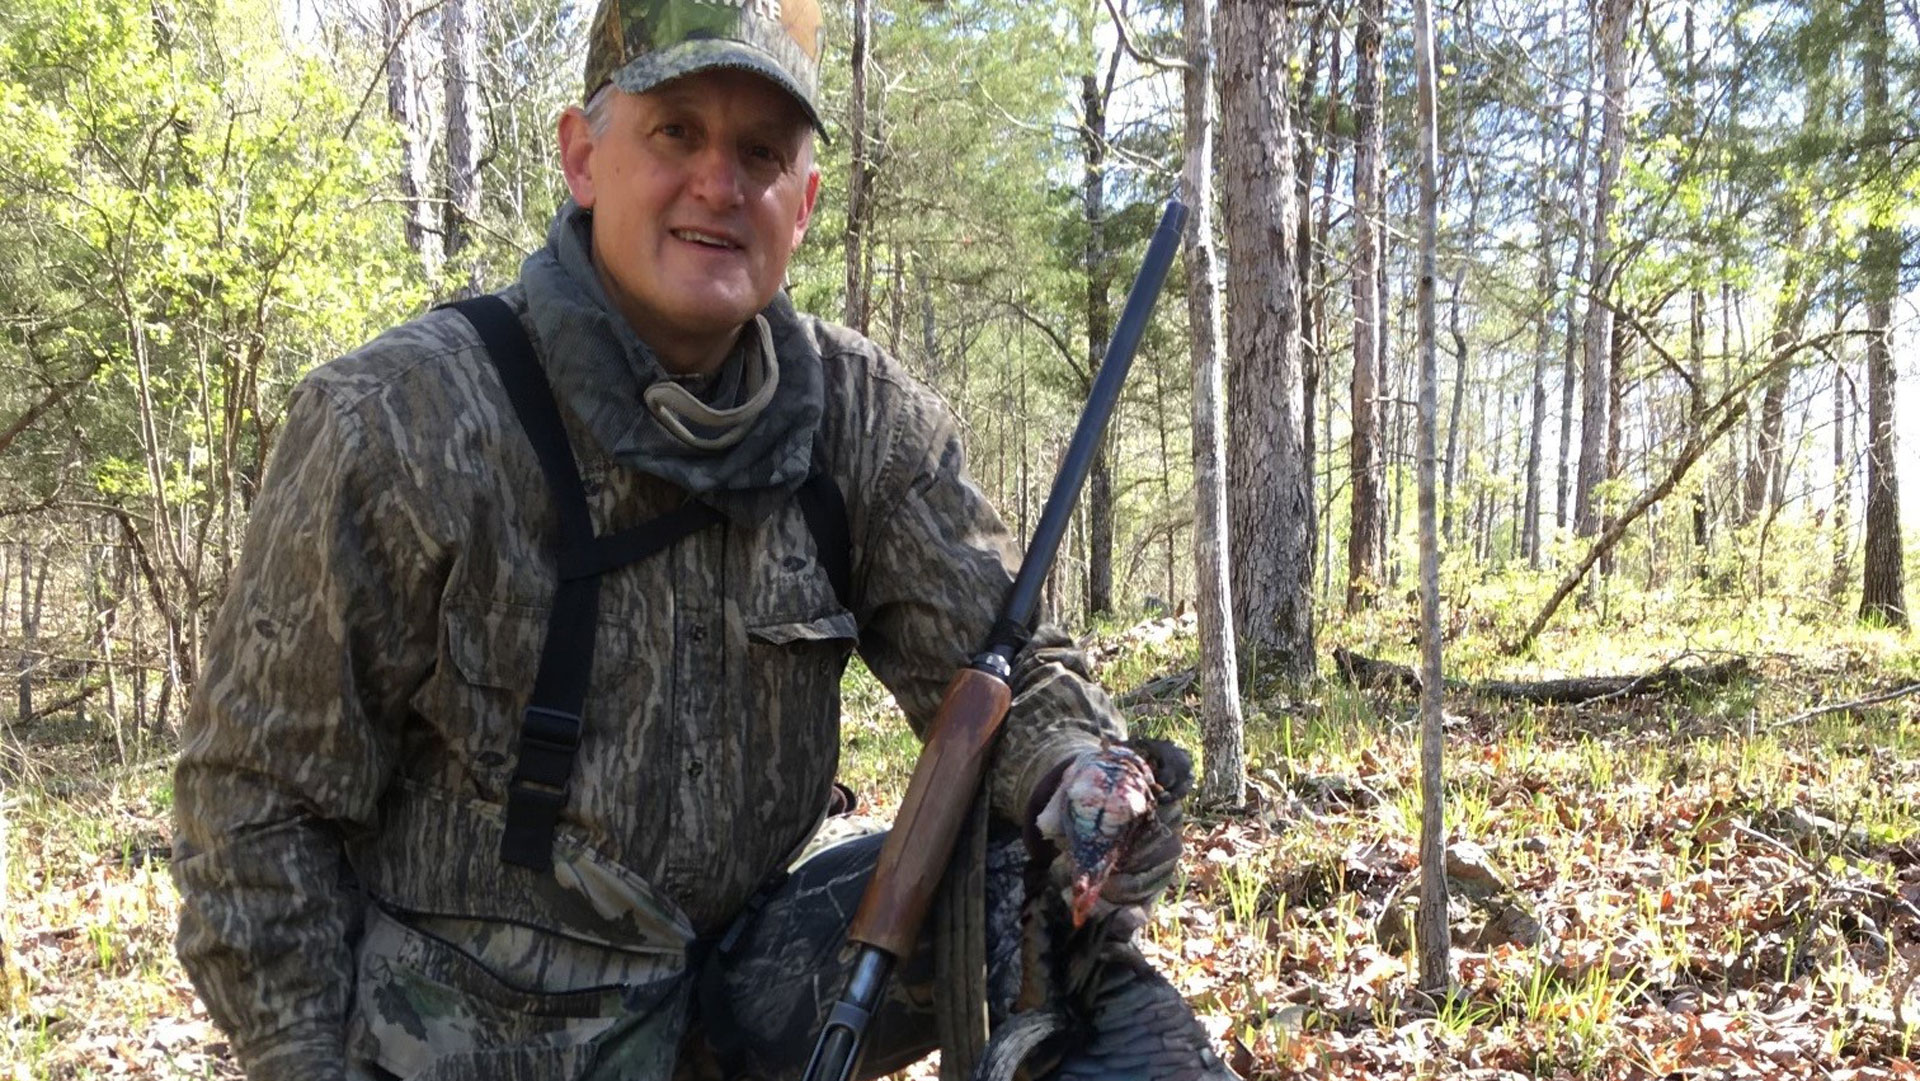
1637,896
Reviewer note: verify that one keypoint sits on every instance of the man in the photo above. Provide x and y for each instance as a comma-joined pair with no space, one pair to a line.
401,851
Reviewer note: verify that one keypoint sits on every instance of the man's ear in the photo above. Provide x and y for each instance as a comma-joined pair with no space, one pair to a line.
806,205
576,151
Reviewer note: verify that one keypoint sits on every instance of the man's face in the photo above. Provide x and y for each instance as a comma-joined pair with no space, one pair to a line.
700,190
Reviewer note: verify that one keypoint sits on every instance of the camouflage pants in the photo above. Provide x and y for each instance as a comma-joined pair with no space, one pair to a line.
753,1011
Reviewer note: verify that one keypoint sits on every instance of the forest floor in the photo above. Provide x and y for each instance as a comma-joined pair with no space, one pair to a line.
1701,886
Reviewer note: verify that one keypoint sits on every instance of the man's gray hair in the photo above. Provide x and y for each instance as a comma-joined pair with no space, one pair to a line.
599,110
599,114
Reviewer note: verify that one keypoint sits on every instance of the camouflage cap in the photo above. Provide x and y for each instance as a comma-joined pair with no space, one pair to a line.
640,44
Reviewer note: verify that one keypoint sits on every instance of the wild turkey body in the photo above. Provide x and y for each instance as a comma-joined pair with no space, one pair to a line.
1089,1006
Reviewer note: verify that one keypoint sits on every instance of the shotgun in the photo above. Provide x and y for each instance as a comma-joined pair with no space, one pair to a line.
915,854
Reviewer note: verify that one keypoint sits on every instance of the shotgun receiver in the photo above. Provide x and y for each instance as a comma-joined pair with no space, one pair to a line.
916,852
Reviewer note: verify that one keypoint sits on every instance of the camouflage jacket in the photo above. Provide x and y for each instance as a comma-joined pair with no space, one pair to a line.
354,730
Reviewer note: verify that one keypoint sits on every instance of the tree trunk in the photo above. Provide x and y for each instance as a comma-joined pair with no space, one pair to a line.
1432,934
1696,317
29,630
1842,482
1459,401
1569,366
1546,284
1222,727
929,326
1763,479
403,105
1696,403
1313,331
1318,295
1271,498
1616,368
1099,265
461,29
857,175
1883,597
1364,542
1596,334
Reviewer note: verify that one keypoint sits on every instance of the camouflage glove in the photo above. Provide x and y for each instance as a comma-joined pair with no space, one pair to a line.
1111,819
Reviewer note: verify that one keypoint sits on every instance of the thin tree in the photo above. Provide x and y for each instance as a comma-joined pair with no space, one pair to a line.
1883,595
1099,267
1597,333
1366,522
855,314
1222,728
1271,498
1430,926
1569,366
1842,479
460,30
403,105
1546,283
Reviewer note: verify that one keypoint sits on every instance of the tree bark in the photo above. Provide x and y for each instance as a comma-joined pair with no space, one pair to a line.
1597,331
1569,367
1842,483
1764,478
1546,284
1459,400
1313,331
1271,498
29,630
461,30
1696,316
1883,596
1099,266
1222,726
1432,933
1364,540
403,105
1696,405
855,314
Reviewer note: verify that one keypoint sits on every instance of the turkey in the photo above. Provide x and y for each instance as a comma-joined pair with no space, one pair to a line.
1089,1007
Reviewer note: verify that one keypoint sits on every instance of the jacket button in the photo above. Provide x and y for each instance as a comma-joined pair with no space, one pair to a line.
696,633
695,768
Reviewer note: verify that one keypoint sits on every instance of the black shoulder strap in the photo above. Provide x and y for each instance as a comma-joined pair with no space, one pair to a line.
550,729
826,513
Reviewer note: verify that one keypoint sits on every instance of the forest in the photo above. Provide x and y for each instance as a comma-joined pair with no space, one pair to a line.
1529,343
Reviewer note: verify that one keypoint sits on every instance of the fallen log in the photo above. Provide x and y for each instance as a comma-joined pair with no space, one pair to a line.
1358,670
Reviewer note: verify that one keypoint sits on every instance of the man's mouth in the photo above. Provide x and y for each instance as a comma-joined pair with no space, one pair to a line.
705,239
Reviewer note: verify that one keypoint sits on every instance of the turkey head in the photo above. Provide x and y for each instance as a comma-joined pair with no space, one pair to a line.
1097,813
1089,1006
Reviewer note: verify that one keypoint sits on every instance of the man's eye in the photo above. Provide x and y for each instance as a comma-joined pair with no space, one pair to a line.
673,131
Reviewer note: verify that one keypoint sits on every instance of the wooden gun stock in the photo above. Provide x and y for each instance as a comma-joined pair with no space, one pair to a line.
915,853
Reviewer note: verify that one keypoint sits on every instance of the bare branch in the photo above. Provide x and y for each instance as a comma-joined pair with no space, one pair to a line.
1165,63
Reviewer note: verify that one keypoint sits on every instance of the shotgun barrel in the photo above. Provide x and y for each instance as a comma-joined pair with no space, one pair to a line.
916,851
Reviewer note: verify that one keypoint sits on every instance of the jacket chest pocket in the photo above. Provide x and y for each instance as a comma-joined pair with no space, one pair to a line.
490,658
798,640
799,634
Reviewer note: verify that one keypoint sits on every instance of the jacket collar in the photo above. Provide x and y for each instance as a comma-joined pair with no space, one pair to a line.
600,371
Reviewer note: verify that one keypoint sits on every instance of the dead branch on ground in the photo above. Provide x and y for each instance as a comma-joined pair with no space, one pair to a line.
1361,671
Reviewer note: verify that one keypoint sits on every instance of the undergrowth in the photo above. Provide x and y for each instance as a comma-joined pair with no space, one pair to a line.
1721,887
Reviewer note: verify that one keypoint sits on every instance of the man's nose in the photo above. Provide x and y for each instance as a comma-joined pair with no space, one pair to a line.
716,175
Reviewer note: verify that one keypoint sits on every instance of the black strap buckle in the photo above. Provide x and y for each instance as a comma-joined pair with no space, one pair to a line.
549,739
